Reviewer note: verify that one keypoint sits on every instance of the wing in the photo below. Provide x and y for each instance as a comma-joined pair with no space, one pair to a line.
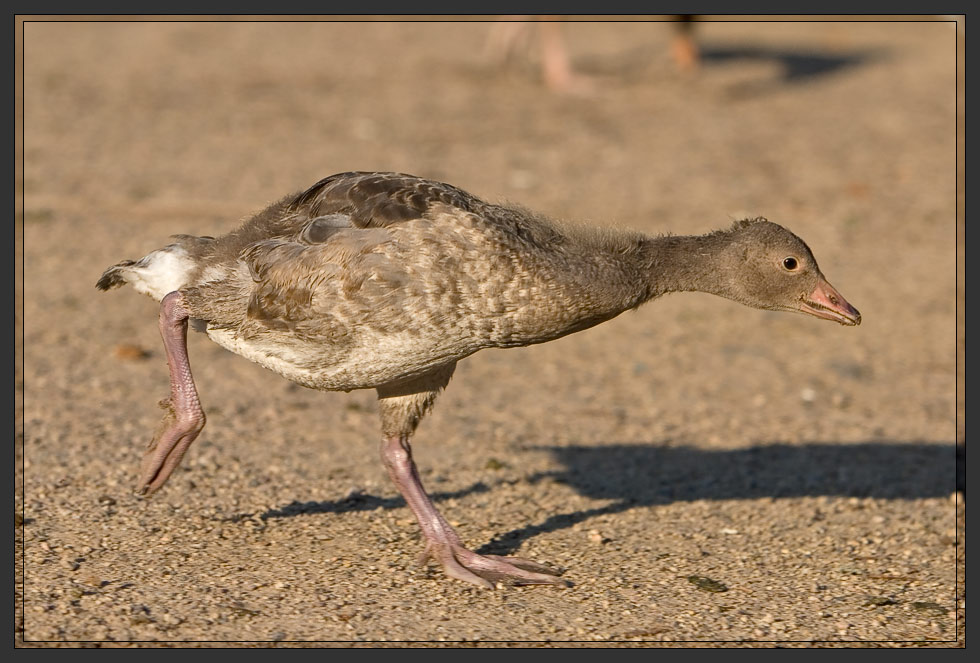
331,256
368,248
382,200
376,200
295,280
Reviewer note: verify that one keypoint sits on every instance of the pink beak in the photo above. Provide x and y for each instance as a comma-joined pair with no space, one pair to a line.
825,302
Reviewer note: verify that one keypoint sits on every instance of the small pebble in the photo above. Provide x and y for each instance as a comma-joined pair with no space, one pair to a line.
595,536
131,352
707,584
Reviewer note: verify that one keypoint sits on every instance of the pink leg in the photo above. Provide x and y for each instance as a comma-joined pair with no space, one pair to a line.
557,64
506,36
185,417
684,47
685,51
441,541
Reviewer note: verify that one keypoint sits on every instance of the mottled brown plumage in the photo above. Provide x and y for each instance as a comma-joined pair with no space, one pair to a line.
385,281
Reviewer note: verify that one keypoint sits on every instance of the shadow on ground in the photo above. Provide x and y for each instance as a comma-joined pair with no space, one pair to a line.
794,66
643,475
358,501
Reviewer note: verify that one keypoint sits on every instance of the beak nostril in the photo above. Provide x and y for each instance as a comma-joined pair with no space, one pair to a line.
833,300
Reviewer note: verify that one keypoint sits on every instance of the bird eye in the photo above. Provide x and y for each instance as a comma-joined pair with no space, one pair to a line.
791,263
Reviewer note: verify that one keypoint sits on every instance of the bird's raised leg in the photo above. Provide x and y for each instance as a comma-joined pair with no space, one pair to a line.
508,35
401,410
184,418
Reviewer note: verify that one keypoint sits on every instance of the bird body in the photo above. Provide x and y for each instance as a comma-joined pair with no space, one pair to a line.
340,297
385,281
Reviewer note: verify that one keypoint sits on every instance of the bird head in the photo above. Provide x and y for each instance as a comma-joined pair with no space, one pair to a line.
771,268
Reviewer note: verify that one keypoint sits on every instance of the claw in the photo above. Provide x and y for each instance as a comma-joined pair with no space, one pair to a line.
166,451
424,556
526,564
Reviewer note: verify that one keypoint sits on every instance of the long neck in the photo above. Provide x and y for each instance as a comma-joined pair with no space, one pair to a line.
614,272
683,264
594,276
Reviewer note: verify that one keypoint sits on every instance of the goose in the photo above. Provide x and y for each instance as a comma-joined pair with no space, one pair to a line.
385,281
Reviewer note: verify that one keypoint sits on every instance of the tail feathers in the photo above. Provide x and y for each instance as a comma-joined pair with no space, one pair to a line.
113,277
155,274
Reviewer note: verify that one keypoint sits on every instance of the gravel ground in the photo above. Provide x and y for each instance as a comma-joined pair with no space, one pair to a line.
705,473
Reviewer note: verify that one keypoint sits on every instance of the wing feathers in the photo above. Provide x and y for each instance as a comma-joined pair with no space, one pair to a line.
288,274
380,199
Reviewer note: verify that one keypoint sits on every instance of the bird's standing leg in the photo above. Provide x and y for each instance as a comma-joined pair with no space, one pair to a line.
184,418
684,48
401,410
556,63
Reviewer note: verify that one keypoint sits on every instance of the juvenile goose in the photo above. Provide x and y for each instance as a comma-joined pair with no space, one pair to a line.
385,281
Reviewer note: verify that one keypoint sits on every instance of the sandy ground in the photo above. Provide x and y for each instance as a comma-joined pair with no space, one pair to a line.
703,472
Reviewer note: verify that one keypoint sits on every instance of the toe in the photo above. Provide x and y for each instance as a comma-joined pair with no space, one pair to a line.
508,570
526,564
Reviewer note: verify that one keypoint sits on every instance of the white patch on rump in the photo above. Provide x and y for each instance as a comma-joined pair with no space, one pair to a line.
161,272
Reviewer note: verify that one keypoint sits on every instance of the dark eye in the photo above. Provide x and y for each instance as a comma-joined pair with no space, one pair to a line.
791,263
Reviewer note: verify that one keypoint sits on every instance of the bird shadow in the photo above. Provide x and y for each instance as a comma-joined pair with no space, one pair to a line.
359,501
794,66
644,474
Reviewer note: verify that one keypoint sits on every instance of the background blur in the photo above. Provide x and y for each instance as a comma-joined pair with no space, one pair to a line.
703,416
